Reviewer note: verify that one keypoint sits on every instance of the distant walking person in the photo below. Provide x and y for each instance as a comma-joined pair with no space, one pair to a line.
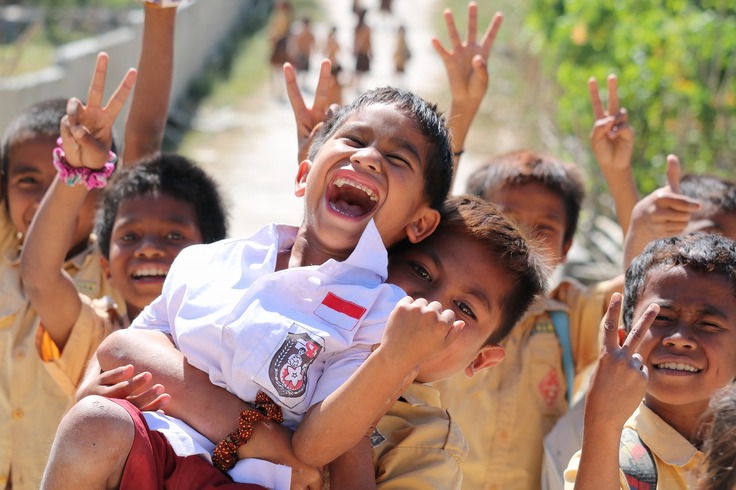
402,54
362,49
278,35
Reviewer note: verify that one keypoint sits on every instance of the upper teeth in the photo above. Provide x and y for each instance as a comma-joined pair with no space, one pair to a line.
150,271
678,366
343,181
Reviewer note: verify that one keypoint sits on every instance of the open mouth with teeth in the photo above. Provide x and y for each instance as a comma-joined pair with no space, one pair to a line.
351,198
677,366
149,273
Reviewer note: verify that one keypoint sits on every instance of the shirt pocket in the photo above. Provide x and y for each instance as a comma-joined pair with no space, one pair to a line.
291,371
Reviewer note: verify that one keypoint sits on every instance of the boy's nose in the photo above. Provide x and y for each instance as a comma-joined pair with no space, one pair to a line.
680,336
369,158
150,247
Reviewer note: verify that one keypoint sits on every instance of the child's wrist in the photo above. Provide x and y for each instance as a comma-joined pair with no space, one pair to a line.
72,175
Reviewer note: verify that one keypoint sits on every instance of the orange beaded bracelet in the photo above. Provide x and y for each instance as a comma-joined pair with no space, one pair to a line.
225,454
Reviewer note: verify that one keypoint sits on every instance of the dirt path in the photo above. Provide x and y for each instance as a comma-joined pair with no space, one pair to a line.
251,146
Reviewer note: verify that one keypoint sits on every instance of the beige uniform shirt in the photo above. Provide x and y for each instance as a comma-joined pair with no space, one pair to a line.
37,382
417,445
506,411
676,459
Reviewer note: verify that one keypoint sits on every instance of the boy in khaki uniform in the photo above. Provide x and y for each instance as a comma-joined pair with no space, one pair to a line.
678,353
520,400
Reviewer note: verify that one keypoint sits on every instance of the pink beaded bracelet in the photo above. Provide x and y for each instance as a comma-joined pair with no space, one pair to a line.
82,175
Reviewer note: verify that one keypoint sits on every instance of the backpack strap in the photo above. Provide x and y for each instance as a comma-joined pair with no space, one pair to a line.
562,330
636,461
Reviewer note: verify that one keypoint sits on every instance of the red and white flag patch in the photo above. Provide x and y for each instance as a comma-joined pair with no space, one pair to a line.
339,312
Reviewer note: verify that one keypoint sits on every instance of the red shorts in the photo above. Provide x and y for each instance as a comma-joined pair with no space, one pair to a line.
153,465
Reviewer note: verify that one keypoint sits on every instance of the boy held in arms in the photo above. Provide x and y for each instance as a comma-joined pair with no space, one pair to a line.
40,377
377,172
675,357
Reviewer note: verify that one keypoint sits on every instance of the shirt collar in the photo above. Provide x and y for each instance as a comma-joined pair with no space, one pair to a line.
668,444
420,394
367,264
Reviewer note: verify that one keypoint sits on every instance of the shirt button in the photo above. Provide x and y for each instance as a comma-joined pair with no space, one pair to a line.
20,354
18,414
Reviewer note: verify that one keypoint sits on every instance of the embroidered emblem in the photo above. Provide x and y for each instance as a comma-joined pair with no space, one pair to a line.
90,288
543,326
377,438
339,312
549,387
290,365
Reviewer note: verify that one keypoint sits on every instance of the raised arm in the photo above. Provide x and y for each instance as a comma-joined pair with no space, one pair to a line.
612,142
414,331
308,119
617,387
209,409
149,107
86,133
663,213
467,71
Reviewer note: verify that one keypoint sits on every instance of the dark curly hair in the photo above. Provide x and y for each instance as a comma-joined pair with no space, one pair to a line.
173,175
439,168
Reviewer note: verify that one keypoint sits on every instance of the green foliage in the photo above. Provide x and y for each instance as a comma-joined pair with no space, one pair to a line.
676,65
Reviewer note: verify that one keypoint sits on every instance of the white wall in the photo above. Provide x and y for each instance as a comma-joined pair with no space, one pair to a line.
200,27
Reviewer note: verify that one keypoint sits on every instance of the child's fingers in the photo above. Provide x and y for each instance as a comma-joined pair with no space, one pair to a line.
322,92
673,173
595,98
636,335
489,37
454,331
472,24
97,86
121,94
452,30
610,323
440,49
613,105
117,375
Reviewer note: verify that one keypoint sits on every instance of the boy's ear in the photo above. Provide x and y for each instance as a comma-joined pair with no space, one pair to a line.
423,225
489,356
105,263
300,183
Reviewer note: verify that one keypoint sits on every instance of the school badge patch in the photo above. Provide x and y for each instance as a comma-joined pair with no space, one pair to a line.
550,387
289,368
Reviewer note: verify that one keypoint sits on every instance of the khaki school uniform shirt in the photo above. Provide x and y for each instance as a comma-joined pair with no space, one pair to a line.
676,459
505,411
37,381
417,445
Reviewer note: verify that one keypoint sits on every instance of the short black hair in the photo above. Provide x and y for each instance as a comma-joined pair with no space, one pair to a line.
523,167
170,174
439,168
706,253
710,190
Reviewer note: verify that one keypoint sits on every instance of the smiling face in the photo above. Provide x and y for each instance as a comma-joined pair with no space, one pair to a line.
535,207
149,232
457,272
689,349
30,174
371,167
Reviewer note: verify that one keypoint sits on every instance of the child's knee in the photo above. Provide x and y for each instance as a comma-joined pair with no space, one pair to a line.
97,426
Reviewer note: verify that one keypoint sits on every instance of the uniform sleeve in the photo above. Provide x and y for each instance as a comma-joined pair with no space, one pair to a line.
572,472
338,369
587,307
93,324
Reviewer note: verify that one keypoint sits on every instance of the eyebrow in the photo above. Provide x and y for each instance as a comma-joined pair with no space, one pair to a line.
23,168
396,140
169,220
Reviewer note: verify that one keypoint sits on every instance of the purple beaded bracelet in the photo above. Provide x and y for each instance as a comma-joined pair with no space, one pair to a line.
93,179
